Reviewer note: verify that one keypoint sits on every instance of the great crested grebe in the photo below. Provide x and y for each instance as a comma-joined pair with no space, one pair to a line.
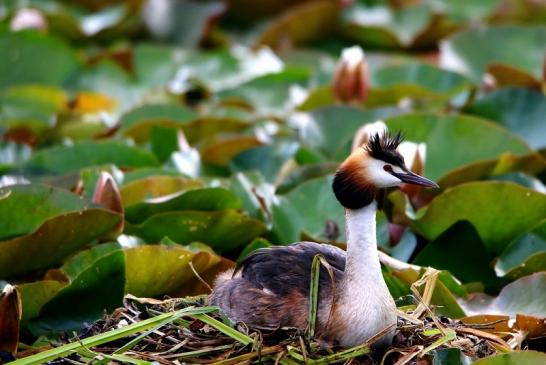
270,288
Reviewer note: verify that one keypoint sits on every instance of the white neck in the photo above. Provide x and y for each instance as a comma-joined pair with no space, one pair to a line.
362,266
366,306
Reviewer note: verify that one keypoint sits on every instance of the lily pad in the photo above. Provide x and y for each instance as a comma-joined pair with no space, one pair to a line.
525,255
35,295
498,44
450,252
224,230
451,140
520,110
152,270
202,199
307,209
514,358
23,208
53,241
97,278
330,130
63,159
500,211
31,57
155,187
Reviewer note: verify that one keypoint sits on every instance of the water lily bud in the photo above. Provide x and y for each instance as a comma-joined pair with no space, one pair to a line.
363,134
26,18
414,155
351,76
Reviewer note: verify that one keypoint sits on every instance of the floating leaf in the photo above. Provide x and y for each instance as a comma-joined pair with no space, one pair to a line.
32,205
450,252
152,270
525,255
307,209
154,187
97,278
222,151
499,44
499,211
35,295
63,159
224,230
455,136
31,58
203,199
520,110
514,358
330,130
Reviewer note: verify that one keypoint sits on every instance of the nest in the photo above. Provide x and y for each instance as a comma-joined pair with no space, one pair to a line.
186,331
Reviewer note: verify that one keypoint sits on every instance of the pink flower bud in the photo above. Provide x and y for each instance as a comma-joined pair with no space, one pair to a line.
26,18
351,76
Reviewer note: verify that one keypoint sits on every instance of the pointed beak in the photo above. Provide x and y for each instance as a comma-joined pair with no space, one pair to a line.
411,178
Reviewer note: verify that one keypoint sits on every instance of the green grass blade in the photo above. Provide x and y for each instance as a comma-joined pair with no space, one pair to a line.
103,338
313,296
225,329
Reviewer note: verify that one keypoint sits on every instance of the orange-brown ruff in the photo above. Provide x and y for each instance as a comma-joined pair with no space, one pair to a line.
270,288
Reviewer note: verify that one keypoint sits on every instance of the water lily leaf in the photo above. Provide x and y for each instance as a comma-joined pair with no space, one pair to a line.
63,159
308,208
301,24
275,154
331,129
203,199
499,211
532,163
224,230
450,356
518,109
152,270
450,252
33,58
460,54
35,295
506,76
455,136
255,192
138,122
526,357
154,187
222,151
32,205
525,255
304,173
97,279
55,239
270,94
406,27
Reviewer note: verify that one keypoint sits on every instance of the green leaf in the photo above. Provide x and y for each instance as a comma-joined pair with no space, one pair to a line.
450,252
35,295
54,240
224,230
520,110
515,45
331,129
152,270
275,154
155,186
451,140
63,159
203,199
23,208
138,122
33,58
97,279
525,255
499,211
526,357
307,209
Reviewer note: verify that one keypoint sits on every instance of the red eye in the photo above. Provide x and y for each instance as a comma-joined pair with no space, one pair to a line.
387,168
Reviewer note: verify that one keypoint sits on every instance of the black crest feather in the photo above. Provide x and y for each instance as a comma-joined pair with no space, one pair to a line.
382,146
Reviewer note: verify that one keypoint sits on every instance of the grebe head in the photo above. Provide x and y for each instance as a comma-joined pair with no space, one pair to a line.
374,166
